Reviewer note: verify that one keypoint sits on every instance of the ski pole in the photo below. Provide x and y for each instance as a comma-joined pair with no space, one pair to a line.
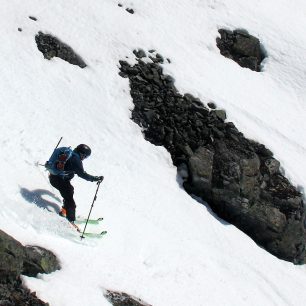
95,197
59,142
38,164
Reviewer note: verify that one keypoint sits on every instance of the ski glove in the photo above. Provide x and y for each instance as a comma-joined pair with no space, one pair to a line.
98,178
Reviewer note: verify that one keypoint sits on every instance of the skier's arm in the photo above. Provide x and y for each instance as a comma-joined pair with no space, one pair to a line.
84,175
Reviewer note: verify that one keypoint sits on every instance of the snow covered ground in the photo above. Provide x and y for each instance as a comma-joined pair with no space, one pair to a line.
163,246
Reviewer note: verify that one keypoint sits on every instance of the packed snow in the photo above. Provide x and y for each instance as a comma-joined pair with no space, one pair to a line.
162,245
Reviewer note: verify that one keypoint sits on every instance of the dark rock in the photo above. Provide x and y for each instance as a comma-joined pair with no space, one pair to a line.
200,168
15,259
29,260
123,74
17,295
11,258
39,260
120,5
212,105
246,45
158,56
20,29
33,18
241,47
156,59
272,165
123,299
220,113
129,10
237,176
50,47
182,170
139,53
249,62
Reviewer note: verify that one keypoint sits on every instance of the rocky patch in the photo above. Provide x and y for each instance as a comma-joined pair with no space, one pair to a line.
123,299
238,177
15,259
14,294
128,9
51,46
241,47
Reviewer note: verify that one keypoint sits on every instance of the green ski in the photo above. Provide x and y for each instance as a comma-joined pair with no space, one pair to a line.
90,221
94,235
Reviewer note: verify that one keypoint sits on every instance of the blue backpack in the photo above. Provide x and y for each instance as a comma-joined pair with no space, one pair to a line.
56,163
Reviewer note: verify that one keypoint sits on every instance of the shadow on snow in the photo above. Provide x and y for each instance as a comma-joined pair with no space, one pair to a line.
37,197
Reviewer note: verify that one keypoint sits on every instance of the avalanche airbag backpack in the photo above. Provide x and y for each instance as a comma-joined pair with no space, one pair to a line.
56,163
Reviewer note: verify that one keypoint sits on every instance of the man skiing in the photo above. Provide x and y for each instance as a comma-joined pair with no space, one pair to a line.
61,181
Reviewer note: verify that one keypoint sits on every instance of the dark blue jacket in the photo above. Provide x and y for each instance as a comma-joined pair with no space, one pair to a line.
74,166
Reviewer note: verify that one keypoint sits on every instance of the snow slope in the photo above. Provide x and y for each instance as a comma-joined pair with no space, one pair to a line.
162,245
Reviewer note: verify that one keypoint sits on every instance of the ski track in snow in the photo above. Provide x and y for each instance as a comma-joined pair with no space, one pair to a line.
162,245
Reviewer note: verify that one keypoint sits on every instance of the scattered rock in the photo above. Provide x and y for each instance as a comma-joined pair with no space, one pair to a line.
33,18
129,10
221,114
237,176
123,299
157,58
241,47
14,294
211,105
139,53
51,46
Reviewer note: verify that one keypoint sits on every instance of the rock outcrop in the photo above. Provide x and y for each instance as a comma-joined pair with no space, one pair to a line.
238,177
51,46
241,47
16,259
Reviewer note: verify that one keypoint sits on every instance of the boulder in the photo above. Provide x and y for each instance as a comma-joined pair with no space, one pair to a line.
39,260
51,46
15,259
241,47
11,258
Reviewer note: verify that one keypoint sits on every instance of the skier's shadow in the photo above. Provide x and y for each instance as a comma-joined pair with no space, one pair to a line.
37,197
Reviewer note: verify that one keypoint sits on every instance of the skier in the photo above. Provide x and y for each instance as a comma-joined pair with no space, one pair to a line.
72,166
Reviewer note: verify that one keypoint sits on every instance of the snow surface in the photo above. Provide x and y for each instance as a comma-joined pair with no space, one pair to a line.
163,246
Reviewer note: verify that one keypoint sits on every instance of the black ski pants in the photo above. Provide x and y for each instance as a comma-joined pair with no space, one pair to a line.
66,190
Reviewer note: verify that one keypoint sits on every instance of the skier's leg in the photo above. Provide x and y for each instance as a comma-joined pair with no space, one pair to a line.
67,192
57,182
54,181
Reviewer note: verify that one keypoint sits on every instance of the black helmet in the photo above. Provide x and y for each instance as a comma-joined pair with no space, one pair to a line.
83,149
